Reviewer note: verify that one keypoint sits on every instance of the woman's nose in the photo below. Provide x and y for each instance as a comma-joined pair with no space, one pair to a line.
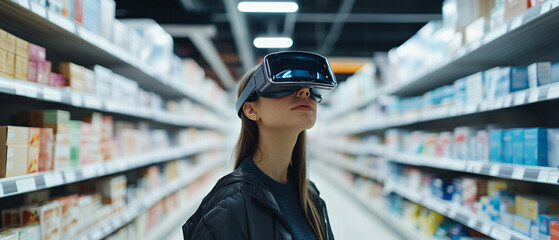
304,91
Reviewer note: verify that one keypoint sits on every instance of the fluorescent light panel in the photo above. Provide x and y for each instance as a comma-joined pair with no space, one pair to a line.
272,42
277,7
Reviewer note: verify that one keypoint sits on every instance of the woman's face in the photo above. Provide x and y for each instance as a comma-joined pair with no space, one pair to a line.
295,111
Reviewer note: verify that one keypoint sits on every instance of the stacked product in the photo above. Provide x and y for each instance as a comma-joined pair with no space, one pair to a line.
511,205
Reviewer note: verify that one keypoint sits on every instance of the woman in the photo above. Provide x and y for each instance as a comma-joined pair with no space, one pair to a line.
269,196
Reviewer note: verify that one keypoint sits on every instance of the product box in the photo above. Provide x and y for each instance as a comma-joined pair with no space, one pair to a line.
460,91
43,72
3,63
32,71
107,16
22,48
56,80
34,137
10,65
496,145
21,68
30,214
554,230
37,53
539,74
58,128
463,138
89,81
61,157
511,79
74,74
514,8
50,217
522,224
532,206
11,217
62,139
67,8
36,197
70,214
78,11
33,159
33,231
517,145
555,72
507,146
75,141
476,30
553,147
91,15
472,190
535,146
474,88
13,160
103,78
46,150
11,135
482,146
544,223
9,43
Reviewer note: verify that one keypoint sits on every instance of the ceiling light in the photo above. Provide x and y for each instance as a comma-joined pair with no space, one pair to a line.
268,7
272,42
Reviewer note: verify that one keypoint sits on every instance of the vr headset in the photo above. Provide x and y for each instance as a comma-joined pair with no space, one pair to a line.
283,73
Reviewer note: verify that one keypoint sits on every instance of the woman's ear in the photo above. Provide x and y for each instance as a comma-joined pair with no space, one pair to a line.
249,108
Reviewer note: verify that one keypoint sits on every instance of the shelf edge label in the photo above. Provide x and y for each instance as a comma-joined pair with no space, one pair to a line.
26,185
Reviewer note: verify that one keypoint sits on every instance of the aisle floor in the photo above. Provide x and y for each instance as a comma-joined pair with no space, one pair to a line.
349,220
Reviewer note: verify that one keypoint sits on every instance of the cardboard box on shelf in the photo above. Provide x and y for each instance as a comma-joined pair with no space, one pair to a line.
9,43
517,145
22,48
33,159
78,11
107,16
554,230
539,74
11,217
74,74
34,136
10,64
30,214
544,224
21,68
57,80
70,214
3,60
37,53
535,146
89,81
58,128
514,8
13,160
46,150
61,157
522,224
62,139
530,206
2,37
33,71
12,135
50,218
43,72
91,15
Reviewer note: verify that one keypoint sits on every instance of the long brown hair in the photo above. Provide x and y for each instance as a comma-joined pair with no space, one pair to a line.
247,145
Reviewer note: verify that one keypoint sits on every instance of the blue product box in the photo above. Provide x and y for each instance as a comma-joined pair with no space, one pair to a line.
555,72
522,225
511,79
517,145
535,146
459,90
92,15
544,220
507,146
448,95
496,145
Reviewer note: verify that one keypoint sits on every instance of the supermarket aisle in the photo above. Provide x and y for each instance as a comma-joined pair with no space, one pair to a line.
349,220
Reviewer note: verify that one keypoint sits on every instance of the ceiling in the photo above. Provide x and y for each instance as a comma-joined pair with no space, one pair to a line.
333,28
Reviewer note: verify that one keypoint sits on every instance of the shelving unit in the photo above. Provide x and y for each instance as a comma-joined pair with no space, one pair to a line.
67,97
44,180
459,214
75,44
520,98
364,171
105,228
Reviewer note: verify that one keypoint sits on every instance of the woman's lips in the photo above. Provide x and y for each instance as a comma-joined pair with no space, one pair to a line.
303,108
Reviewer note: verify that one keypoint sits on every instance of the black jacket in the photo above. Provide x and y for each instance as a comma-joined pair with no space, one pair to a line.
240,207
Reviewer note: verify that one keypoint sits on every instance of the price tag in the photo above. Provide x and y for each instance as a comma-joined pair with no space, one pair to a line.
77,100
494,170
20,89
553,93
546,6
38,9
544,175
70,176
520,98
507,101
52,95
54,179
534,96
88,172
485,229
554,177
26,185
472,222
515,23
518,173
62,22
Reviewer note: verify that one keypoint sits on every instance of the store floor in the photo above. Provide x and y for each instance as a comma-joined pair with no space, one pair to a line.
349,220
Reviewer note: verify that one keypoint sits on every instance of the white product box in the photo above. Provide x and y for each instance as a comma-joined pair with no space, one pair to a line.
539,74
474,88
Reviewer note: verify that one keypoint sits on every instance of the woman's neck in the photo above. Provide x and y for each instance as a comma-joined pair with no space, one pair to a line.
274,155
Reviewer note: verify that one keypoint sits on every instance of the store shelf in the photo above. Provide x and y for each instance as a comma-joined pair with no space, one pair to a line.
519,98
34,22
133,210
364,171
343,110
375,206
67,97
521,41
547,175
459,214
44,180
179,216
